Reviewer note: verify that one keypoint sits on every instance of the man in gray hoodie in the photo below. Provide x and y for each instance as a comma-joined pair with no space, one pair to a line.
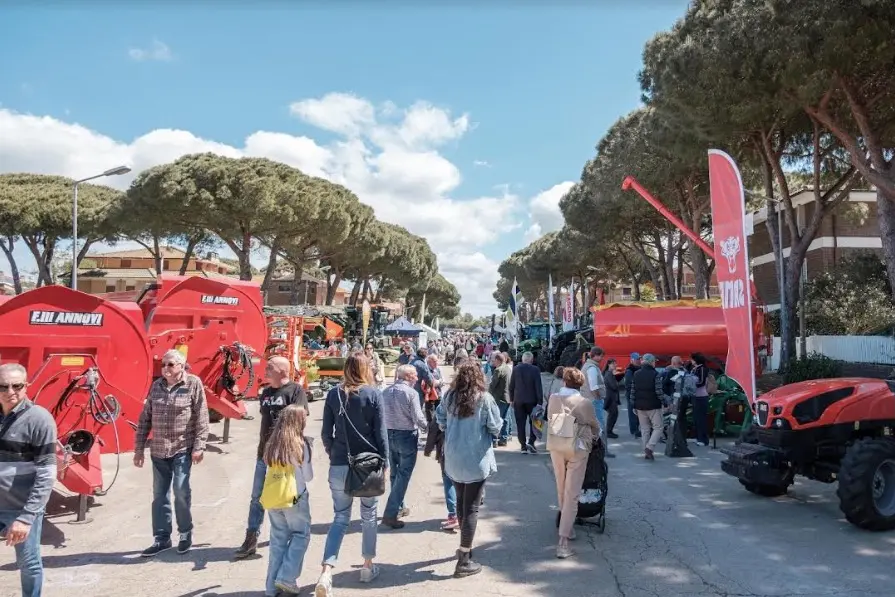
27,473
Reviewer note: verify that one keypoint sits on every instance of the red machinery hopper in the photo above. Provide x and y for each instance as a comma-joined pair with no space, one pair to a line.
219,325
667,329
89,364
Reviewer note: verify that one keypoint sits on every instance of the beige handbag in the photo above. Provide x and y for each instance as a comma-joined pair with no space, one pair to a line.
561,431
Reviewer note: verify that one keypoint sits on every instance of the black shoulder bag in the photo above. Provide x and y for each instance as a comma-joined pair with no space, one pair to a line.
366,471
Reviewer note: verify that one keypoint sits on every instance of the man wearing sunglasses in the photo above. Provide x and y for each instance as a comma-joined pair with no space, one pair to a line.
27,473
176,412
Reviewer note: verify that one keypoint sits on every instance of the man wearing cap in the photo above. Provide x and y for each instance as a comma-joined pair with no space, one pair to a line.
633,367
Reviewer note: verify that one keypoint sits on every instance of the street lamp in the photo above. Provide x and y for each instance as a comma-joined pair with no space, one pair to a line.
74,219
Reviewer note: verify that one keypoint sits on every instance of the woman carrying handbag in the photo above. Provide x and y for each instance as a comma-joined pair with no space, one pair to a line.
355,438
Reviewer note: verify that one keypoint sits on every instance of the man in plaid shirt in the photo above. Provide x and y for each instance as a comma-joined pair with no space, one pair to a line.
177,414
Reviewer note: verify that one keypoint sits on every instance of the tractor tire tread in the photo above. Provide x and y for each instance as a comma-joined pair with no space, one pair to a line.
855,477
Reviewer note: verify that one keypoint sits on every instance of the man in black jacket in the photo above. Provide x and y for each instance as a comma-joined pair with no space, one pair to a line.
526,392
647,394
632,368
280,392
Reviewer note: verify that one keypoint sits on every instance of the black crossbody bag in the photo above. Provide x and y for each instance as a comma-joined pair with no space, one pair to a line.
366,470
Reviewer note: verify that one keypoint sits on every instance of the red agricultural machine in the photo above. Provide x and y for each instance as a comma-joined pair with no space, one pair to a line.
90,360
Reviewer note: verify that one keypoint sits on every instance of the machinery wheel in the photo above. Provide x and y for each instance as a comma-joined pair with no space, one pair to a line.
867,484
214,416
748,436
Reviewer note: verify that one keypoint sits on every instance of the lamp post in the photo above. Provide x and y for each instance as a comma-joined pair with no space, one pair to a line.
74,219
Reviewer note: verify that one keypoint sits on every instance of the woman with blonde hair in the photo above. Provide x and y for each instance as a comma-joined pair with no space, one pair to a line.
353,422
290,527
571,428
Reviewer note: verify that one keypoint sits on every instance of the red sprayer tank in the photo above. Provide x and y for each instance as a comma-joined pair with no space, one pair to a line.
219,324
666,329
88,363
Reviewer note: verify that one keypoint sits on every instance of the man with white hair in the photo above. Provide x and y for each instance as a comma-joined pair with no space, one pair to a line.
648,397
176,412
526,392
280,392
27,473
404,419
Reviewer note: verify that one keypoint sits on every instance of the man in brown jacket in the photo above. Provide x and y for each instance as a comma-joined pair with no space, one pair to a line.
499,388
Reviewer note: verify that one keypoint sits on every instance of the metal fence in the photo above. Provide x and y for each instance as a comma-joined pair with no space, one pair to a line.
876,350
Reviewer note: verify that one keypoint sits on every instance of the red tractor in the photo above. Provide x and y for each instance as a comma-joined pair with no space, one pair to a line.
829,430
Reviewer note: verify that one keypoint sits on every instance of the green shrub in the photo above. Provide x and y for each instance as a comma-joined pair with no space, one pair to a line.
813,366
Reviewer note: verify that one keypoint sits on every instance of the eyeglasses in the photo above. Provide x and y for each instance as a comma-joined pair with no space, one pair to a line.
16,387
170,364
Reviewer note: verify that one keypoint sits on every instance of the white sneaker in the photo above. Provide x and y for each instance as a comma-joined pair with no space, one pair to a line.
369,574
324,586
701,444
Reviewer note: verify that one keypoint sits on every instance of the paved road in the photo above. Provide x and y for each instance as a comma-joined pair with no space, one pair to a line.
676,527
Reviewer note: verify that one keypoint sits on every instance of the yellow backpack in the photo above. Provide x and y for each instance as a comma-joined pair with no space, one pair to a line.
280,490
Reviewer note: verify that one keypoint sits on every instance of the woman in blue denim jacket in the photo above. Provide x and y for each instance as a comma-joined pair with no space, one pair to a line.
470,419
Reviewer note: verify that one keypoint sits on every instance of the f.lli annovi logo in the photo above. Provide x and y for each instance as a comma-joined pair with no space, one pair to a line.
66,318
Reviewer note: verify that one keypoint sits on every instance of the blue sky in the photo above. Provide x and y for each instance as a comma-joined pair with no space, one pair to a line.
514,101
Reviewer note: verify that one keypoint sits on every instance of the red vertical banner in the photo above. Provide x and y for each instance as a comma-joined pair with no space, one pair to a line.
732,267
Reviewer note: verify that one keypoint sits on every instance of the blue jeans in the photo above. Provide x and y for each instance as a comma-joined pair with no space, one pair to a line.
633,421
402,452
505,428
342,503
256,510
600,409
31,569
450,494
165,473
290,533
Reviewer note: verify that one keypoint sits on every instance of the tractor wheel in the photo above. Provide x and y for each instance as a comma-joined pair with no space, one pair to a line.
214,416
867,484
748,436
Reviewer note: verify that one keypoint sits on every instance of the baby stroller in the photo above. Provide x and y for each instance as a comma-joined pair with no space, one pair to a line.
594,489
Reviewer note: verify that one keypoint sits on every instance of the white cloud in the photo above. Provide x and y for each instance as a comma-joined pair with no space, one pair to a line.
481,164
543,211
158,51
388,156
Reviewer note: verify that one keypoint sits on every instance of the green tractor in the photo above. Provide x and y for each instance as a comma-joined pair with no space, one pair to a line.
535,339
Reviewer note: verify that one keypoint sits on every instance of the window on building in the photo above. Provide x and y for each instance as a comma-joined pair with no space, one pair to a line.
284,287
627,291
125,263
110,288
129,288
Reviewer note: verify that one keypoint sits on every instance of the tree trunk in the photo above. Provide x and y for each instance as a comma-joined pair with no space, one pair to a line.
332,284
271,266
7,246
650,268
885,206
157,252
679,281
378,297
355,292
297,280
44,275
367,291
701,277
191,244
793,275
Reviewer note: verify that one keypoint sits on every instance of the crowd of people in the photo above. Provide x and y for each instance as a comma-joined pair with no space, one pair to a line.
371,429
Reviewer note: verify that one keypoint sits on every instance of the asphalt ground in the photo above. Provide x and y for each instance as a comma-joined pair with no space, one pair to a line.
675,527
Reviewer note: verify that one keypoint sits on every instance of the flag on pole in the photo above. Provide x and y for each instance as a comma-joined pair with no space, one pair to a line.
550,309
512,311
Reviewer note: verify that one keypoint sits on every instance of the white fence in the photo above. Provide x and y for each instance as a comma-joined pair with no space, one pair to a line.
879,350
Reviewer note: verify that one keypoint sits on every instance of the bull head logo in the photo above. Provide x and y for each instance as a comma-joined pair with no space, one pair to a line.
730,248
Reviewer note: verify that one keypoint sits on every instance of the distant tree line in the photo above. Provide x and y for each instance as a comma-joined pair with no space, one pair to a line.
249,205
